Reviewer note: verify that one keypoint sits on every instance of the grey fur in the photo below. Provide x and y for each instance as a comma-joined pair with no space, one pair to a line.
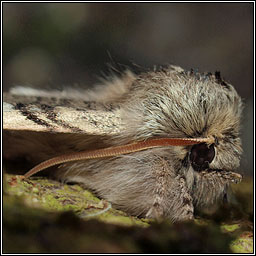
161,182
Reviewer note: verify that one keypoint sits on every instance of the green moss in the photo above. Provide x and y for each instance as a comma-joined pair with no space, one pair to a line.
42,206
54,196
230,227
50,202
89,196
125,220
243,244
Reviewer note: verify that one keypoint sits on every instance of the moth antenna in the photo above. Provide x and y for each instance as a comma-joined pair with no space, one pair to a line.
116,151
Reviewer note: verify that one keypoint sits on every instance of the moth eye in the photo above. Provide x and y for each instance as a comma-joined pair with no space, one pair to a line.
201,155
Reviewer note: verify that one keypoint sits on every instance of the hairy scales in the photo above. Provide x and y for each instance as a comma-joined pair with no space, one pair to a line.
168,103
162,182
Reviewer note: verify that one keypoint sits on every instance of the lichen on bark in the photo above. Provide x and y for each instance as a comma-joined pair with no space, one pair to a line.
45,216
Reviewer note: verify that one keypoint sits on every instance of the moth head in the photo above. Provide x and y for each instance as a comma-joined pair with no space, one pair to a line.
174,103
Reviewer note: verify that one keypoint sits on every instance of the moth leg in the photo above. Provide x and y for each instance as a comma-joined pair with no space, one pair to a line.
185,211
171,198
211,187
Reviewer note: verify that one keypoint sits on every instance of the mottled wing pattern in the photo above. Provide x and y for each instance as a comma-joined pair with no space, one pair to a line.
59,115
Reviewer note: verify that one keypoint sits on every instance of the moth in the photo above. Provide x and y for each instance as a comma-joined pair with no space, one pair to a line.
159,144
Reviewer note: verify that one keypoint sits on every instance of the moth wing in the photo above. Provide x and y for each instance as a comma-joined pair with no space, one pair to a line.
37,128
59,115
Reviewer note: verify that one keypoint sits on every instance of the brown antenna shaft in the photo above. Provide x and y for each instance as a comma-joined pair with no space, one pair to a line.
116,151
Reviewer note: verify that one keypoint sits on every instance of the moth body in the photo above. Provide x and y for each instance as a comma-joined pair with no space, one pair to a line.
169,182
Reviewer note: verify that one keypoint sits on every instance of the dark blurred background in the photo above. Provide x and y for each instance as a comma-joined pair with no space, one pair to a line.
51,45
